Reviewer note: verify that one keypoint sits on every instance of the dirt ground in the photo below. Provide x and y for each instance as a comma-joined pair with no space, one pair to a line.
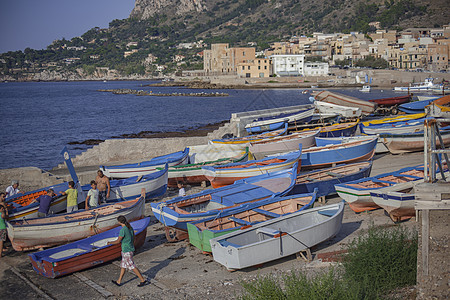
179,270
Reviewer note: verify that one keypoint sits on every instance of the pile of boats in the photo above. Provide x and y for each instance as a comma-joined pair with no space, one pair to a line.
264,187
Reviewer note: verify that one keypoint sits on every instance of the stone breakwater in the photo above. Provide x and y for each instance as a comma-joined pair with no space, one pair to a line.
150,93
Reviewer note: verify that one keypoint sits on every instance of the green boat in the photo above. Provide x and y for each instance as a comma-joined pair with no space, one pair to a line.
244,216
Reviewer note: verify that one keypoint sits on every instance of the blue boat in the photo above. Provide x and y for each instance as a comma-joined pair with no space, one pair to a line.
200,232
348,152
324,180
415,107
85,253
146,167
177,212
276,122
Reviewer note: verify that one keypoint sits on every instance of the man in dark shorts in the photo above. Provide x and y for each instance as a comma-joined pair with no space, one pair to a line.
44,203
103,186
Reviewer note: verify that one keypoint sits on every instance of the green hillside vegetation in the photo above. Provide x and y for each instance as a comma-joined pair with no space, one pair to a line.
236,22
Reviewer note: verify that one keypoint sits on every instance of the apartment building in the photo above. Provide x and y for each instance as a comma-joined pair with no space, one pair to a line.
223,60
288,64
259,67
438,55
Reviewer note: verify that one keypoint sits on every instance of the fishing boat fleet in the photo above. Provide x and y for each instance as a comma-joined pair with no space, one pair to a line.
264,187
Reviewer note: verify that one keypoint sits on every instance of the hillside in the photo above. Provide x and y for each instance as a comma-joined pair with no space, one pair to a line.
156,27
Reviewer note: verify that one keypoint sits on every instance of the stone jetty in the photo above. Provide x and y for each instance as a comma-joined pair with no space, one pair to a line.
150,93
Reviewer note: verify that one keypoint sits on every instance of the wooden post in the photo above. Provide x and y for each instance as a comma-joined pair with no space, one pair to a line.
425,239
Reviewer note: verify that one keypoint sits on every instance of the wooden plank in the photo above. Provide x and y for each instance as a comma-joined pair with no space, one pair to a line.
432,205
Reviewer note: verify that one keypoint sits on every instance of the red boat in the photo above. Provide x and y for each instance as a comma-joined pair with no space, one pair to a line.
392,100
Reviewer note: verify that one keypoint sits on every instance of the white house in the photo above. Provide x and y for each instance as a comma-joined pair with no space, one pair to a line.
315,69
288,64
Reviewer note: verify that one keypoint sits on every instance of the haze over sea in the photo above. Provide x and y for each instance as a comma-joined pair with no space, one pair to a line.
40,118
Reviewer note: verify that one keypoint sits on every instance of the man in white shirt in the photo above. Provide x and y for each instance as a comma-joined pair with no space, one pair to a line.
12,189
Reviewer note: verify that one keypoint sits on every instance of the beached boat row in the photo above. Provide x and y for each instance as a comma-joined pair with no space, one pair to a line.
264,189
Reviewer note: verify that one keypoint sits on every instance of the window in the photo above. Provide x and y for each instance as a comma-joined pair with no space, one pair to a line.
259,67
248,68
243,53
243,68
265,67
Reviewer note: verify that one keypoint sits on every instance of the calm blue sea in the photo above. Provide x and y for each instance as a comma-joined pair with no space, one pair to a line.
40,118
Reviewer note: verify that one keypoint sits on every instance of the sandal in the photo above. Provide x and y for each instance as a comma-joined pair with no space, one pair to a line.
141,284
115,282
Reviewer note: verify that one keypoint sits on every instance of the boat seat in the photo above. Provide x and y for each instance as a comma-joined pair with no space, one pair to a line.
239,221
334,174
225,243
310,179
268,231
328,212
382,181
266,213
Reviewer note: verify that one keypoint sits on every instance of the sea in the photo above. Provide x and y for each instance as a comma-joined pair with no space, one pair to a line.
40,118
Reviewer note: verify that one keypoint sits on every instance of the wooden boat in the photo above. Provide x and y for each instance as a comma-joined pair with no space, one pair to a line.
357,193
155,185
85,253
279,237
20,206
336,130
415,107
439,108
177,212
323,141
286,143
327,156
391,101
193,173
388,120
202,231
251,138
344,111
394,128
32,234
276,122
344,100
146,167
399,204
324,180
411,142
223,175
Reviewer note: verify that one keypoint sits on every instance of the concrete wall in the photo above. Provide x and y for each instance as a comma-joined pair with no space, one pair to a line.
30,178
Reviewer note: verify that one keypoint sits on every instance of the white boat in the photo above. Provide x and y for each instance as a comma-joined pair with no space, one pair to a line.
365,89
277,238
411,142
146,167
286,143
399,204
344,111
427,85
155,185
32,234
357,193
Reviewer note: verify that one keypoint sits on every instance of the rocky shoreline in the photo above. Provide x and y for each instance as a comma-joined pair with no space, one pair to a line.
150,93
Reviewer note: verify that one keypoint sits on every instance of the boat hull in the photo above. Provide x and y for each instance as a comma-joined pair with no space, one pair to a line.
57,230
321,157
87,255
227,174
398,144
325,180
277,238
399,206
201,232
146,167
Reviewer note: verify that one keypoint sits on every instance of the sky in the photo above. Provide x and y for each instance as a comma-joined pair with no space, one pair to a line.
37,23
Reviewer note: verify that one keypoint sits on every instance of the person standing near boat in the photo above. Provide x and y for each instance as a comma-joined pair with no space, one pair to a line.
126,239
181,191
44,203
3,234
72,196
103,186
12,189
92,196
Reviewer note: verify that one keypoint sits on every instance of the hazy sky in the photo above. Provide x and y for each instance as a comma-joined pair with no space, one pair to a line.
37,23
